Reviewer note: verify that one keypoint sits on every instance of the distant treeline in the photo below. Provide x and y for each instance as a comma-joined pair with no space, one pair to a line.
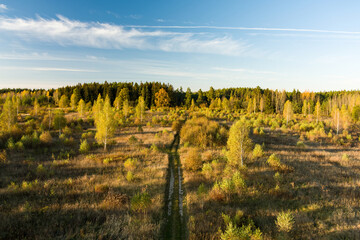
258,99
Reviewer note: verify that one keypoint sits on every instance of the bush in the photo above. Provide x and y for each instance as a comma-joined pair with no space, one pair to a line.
203,133
285,221
19,146
107,160
274,161
140,202
101,188
46,137
258,151
84,146
129,176
154,148
193,160
207,170
244,232
132,140
345,157
300,144
238,181
10,144
130,164
41,171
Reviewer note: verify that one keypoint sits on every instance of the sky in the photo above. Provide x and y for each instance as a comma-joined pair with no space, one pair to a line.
278,44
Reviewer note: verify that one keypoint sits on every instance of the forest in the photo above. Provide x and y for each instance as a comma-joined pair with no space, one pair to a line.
147,161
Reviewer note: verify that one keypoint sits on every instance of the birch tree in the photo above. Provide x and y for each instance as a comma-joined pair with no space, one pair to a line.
105,123
8,115
238,143
288,111
140,109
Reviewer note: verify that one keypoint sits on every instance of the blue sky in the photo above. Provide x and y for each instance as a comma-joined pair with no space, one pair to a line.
305,45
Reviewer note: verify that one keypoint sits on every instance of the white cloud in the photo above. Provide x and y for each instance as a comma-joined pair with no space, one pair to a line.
3,7
103,35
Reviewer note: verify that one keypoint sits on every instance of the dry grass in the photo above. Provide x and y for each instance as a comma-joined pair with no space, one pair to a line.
319,186
84,196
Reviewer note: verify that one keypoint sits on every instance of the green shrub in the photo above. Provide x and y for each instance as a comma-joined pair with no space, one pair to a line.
278,178
84,146
10,144
130,164
238,181
129,176
133,140
274,162
345,157
107,160
258,151
232,232
207,170
140,202
154,148
300,144
285,221
41,171
19,146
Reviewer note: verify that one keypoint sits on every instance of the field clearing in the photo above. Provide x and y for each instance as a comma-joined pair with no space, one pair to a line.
56,193
322,190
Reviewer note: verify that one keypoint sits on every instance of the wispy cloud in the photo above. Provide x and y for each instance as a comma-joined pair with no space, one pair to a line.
48,69
3,7
103,35
242,70
248,29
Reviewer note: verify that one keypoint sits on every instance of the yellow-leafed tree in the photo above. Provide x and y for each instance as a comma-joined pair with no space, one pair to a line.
105,122
162,98
239,143
288,111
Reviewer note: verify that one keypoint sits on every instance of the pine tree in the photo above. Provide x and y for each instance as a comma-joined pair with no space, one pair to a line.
288,111
238,143
188,98
8,115
105,123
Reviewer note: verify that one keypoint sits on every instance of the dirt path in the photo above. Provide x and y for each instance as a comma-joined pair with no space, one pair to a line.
175,225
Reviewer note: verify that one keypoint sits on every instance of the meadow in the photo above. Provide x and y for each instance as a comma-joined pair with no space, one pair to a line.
149,162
